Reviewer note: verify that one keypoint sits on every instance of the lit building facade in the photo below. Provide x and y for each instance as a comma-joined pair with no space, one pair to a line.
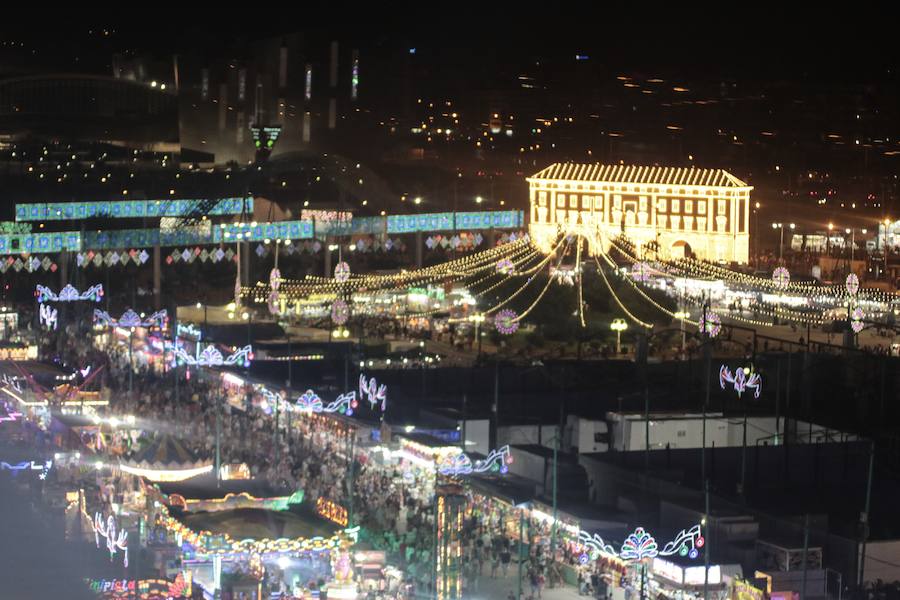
684,210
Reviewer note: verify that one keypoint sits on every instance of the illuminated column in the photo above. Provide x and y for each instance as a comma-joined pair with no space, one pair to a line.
63,268
217,572
157,278
419,243
450,506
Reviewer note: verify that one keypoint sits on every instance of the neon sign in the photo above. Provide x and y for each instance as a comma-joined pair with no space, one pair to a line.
343,404
11,415
11,382
372,391
115,540
43,467
640,545
131,319
212,357
188,330
332,511
460,464
742,379
49,316
69,294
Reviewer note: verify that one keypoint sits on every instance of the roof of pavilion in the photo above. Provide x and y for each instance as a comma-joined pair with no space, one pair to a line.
633,174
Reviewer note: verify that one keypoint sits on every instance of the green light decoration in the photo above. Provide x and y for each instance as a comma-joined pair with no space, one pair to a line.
127,209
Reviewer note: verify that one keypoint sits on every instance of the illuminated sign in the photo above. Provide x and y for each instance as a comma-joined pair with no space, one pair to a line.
68,294
373,392
461,464
131,319
49,316
265,136
188,330
129,209
18,353
115,539
331,511
741,379
451,221
670,571
39,242
212,357
143,588
694,575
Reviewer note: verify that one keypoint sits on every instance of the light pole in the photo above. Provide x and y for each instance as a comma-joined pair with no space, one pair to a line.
478,319
756,235
131,361
852,233
618,325
781,226
681,316
828,239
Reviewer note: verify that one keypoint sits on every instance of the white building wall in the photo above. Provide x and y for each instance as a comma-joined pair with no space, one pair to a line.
478,436
628,432
882,560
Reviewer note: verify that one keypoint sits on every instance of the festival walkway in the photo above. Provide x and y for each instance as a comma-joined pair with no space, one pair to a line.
499,588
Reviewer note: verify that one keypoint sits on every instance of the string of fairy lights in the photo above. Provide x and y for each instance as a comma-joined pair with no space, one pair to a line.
459,268
774,311
484,272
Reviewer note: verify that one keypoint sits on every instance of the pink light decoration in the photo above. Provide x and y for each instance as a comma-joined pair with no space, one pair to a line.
640,273
341,272
782,278
710,324
340,312
852,284
506,266
506,321
742,379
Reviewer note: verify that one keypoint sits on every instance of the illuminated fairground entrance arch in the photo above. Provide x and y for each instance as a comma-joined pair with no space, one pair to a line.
703,211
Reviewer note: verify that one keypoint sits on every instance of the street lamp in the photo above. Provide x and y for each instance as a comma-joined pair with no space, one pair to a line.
618,325
781,226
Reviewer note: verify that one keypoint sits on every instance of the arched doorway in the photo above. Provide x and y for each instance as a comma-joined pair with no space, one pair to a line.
681,249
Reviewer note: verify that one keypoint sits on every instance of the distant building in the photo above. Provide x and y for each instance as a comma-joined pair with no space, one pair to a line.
89,108
704,212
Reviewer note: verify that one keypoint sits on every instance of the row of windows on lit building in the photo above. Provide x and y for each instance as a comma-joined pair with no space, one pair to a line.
695,214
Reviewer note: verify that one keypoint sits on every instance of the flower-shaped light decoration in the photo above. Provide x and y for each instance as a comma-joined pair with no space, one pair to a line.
340,312
710,324
272,302
856,320
310,401
781,277
275,279
852,284
341,272
638,546
640,272
506,321
506,266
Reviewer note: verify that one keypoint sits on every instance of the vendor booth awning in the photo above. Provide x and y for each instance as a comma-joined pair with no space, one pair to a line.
166,459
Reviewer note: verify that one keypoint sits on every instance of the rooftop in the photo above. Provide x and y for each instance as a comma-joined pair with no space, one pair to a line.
640,175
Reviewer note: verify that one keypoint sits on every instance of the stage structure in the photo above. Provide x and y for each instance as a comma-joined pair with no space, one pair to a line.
704,212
